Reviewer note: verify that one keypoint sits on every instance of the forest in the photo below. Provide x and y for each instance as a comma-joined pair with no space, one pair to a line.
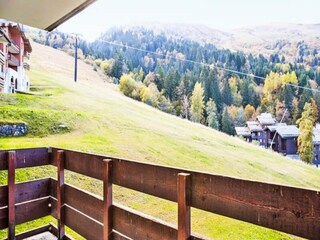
198,81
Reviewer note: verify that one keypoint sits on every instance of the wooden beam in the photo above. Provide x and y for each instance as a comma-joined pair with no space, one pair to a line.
184,228
30,157
82,224
27,211
107,199
11,194
26,191
60,194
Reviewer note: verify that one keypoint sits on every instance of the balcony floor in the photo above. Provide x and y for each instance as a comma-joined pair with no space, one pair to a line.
42,236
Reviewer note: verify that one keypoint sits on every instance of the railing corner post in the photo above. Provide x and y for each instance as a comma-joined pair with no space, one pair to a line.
60,193
107,199
11,194
184,198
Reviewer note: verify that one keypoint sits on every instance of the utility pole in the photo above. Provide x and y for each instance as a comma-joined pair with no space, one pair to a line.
76,59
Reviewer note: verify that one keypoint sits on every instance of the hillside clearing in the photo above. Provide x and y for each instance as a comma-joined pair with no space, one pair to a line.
115,125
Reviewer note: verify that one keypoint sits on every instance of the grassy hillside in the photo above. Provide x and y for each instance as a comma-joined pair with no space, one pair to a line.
101,120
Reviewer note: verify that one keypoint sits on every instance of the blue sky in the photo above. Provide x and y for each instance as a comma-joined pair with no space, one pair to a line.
223,15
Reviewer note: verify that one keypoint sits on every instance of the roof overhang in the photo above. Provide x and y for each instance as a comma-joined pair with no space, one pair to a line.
4,38
43,14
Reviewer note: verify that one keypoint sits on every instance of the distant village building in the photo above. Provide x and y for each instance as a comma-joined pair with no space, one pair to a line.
286,139
244,132
15,48
256,130
280,137
270,132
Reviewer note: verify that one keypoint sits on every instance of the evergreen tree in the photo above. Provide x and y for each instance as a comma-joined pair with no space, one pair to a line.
212,118
305,144
215,93
197,103
304,98
227,125
288,97
117,66
226,93
245,92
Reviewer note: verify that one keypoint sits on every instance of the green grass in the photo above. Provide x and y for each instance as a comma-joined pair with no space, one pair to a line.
104,121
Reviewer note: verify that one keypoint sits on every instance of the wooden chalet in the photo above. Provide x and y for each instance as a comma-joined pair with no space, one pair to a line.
286,139
244,132
265,120
13,54
256,131
270,135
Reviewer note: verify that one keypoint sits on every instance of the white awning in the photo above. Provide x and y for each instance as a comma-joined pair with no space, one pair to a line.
43,14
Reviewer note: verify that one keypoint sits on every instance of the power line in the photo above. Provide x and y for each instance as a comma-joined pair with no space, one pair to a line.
206,64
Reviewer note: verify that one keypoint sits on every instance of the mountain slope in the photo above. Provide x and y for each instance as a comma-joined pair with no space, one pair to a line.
280,38
119,126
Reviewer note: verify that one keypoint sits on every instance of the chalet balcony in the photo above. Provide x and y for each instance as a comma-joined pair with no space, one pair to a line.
13,61
13,48
288,209
2,58
26,66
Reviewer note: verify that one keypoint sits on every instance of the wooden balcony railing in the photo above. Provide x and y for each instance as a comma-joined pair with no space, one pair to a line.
13,61
13,48
292,210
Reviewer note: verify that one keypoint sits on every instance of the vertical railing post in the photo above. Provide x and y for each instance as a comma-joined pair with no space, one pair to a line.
60,193
183,191
107,199
11,194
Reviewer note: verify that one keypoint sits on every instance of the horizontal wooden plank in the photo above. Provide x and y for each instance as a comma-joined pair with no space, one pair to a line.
32,210
27,211
118,236
292,210
81,200
83,163
26,191
30,157
288,209
151,179
136,225
3,218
